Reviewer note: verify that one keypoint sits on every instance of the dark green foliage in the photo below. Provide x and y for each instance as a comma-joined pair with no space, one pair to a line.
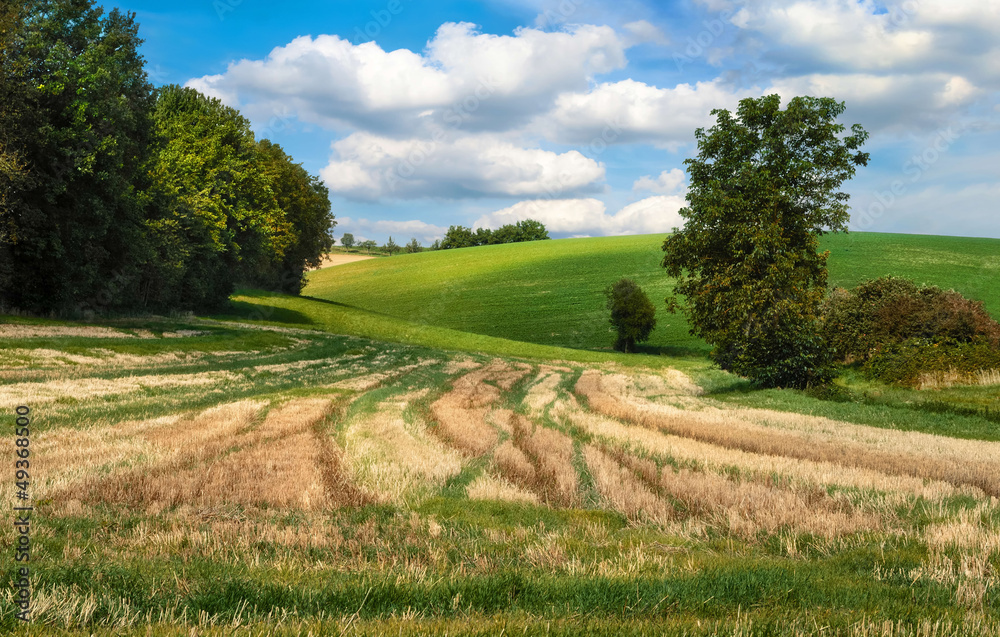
763,189
907,362
305,202
413,246
368,245
888,311
347,240
13,97
458,237
484,237
76,121
462,237
214,217
113,198
436,245
531,230
632,314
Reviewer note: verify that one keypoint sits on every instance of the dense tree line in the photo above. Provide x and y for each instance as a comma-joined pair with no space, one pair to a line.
118,196
462,237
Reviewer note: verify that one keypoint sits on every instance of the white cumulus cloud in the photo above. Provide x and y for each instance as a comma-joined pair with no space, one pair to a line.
367,166
486,81
589,216
669,182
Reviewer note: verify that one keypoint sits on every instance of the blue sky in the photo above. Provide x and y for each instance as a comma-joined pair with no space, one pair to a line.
580,113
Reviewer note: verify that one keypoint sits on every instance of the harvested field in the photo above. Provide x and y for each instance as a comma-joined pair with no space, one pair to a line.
218,457
357,485
488,487
623,491
949,460
461,413
395,460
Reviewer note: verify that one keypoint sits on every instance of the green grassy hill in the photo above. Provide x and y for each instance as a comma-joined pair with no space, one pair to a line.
550,292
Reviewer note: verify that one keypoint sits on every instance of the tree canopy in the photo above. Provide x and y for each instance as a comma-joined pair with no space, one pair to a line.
632,314
115,196
763,188
76,129
462,237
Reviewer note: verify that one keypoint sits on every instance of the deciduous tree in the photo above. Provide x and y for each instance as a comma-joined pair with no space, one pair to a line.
764,187
632,314
76,129
305,203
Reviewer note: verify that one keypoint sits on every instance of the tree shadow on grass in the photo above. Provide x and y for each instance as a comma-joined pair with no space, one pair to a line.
349,307
244,310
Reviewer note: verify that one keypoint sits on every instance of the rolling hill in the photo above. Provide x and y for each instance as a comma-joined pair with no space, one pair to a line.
550,292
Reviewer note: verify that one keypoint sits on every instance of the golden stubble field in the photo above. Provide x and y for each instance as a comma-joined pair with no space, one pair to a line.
378,431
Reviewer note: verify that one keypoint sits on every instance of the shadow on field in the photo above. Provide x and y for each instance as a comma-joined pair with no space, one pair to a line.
348,307
254,312
674,351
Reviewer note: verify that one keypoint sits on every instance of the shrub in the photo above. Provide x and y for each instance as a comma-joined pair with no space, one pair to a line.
922,361
632,314
888,311
783,352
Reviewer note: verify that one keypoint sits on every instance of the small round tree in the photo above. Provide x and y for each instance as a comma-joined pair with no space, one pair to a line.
347,240
632,314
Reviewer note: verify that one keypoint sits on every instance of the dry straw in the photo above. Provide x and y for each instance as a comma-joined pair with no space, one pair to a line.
808,438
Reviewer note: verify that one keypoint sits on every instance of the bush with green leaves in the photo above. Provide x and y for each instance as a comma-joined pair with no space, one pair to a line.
910,361
632,314
888,311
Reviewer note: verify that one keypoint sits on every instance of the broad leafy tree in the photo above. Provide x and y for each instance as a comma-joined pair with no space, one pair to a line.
531,230
347,240
413,246
305,202
368,245
76,128
13,98
458,237
214,217
632,314
764,187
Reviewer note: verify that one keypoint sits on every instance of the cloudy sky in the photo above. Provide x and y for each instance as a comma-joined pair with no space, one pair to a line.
420,114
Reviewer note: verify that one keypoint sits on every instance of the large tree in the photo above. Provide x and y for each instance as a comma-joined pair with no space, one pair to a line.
214,218
764,187
305,202
76,122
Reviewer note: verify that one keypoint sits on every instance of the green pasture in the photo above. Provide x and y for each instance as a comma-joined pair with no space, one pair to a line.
551,292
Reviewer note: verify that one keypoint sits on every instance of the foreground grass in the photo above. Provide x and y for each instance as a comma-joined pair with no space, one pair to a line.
430,558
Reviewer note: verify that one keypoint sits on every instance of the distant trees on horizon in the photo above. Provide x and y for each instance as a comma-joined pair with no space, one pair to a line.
462,237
